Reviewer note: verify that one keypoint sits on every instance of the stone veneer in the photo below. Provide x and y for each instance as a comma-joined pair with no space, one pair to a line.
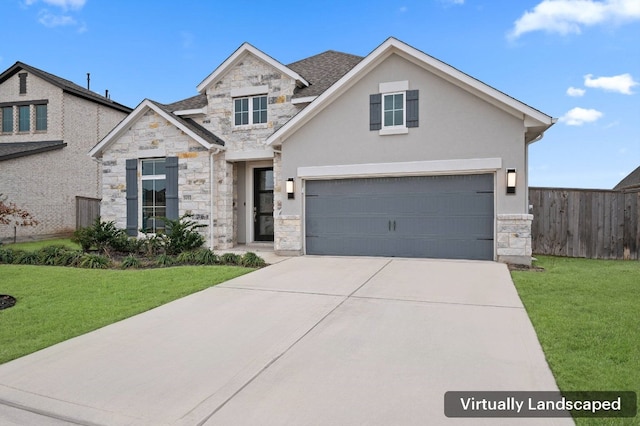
514,238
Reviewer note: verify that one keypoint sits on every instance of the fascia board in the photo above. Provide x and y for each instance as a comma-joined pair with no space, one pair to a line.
134,116
246,48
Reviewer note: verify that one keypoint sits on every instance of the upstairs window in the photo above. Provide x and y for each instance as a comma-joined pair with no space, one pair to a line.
24,118
393,111
250,110
41,117
7,119
23,82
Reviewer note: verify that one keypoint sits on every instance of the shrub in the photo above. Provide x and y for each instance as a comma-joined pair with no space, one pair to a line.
50,255
6,255
69,258
187,257
153,245
165,260
102,236
252,260
182,234
25,258
231,259
125,244
206,257
94,261
130,262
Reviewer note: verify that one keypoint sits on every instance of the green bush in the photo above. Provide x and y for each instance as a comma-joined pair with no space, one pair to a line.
130,262
103,236
165,260
94,261
187,257
50,255
231,259
25,258
182,234
69,258
6,255
206,257
153,245
252,260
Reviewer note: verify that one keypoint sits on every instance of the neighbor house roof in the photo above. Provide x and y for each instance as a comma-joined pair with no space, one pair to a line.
187,125
322,71
10,150
66,85
631,181
536,122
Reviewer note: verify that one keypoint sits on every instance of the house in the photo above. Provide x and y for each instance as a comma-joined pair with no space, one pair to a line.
631,182
48,125
393,154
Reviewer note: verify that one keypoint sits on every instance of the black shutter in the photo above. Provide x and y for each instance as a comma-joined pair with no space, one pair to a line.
412,108
375,112
132,197
171,169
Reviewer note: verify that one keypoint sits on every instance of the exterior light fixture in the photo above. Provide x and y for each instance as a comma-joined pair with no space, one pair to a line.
290,187
511,181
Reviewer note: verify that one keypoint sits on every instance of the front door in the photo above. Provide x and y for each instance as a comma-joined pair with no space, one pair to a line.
263,204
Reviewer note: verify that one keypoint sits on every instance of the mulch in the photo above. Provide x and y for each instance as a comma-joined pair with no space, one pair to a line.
6,301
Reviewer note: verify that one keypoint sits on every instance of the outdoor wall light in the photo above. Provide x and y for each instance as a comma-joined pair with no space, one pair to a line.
290,187
511,181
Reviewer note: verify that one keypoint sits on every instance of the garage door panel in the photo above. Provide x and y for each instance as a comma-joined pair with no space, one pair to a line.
417,216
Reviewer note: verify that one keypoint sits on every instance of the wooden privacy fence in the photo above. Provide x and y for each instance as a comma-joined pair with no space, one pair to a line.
597,224
87,210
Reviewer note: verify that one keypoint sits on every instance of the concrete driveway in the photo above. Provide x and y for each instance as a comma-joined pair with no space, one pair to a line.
307,341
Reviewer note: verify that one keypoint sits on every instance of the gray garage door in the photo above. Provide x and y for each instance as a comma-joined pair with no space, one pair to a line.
420,216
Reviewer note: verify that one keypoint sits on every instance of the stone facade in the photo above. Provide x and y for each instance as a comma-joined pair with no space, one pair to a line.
47,184
152,136
513,233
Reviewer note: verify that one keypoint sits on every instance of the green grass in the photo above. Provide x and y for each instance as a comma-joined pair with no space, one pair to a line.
36,245
587,317
56,303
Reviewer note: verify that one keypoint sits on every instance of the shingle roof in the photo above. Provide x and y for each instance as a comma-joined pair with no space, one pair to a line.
194,102
10,150
192,125
632,180
323,70
65,85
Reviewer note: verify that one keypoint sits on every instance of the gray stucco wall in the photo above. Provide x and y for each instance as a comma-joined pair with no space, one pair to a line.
454,124
46,184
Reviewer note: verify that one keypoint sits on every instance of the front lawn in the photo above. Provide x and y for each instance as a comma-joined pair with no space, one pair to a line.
57,303
37,245
586,314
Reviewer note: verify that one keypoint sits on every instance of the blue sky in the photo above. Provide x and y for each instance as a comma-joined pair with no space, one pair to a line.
576,60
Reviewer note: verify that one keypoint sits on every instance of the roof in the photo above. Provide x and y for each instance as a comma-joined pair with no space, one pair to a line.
632,180
187,125
323,70
66,85
536,122
194,102
10,150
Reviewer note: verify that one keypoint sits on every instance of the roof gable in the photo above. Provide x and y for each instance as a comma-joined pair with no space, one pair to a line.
188,126
536,122
66,85
237,56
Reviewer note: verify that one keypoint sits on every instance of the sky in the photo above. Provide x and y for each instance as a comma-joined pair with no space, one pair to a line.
575,60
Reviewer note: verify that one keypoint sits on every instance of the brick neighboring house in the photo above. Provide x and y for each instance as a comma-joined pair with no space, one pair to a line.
392,154
48,126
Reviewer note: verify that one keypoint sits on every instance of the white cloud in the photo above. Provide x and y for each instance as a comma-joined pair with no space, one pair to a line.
578,116
570,16
575,92
51,20
64,4
618,83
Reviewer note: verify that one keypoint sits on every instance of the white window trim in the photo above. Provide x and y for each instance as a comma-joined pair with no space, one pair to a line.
395,129
251,99
141,190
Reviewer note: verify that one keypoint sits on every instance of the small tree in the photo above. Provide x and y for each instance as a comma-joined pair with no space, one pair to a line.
11,214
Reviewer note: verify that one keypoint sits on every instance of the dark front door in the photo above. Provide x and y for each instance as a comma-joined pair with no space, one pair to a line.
263,204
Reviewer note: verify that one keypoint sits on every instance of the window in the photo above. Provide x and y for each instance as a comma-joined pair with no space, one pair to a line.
24,118
7,119
250,110
393,111
23,83
41,117
154,203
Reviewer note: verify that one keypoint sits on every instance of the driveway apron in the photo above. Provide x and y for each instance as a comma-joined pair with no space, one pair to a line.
307,341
